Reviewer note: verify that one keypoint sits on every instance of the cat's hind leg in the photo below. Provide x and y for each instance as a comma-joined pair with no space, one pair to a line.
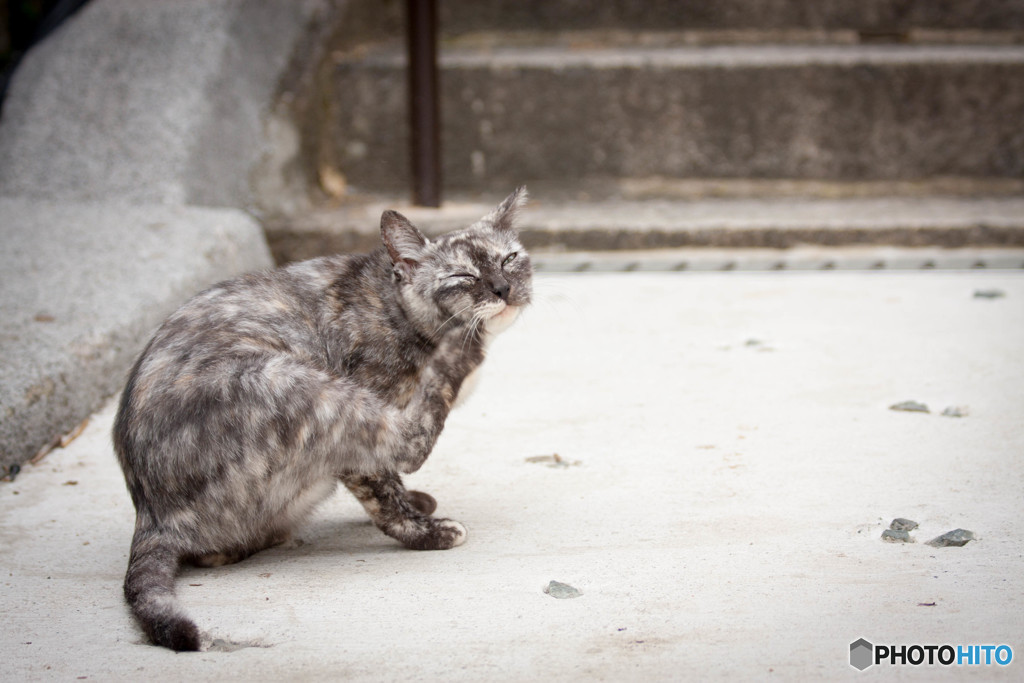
401,514
220,559
281,520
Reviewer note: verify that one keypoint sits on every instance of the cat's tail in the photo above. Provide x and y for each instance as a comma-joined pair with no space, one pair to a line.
149,589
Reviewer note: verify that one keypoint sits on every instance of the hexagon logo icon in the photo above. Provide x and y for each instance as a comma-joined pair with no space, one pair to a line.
861,654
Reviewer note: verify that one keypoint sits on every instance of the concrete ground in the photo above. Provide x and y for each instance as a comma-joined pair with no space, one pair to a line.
727,463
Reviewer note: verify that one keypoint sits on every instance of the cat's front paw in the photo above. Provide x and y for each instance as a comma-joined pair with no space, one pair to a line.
438,534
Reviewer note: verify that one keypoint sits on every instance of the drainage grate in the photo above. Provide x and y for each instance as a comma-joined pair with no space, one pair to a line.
766,261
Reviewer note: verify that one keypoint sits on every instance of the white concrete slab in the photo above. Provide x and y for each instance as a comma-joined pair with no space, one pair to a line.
737,463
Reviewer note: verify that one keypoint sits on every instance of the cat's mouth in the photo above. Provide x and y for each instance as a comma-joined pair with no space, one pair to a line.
502,318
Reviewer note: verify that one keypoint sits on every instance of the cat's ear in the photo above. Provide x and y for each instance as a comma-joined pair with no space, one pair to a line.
504,216
404,241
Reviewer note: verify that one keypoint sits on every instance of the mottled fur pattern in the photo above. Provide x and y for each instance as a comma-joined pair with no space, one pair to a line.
258,395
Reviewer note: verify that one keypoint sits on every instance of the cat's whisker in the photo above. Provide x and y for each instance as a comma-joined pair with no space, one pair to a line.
453,316
472,327
550,294
549,287
433,335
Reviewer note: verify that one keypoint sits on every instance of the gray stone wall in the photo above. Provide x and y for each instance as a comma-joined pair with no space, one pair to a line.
129,140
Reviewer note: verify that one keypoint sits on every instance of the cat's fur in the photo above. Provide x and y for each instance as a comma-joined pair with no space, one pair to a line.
258,395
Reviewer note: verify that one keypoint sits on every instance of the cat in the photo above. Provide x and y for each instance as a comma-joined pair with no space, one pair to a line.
259,394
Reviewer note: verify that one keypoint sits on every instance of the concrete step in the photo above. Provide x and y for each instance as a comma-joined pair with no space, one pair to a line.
797,259
624,38
876,16
821,112
558,226
872,19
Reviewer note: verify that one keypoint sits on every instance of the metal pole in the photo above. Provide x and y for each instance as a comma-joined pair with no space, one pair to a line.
424,117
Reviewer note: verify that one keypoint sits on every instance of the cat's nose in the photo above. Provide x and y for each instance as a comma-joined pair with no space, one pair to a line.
500,288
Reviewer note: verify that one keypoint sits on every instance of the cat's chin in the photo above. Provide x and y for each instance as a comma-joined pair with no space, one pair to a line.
502,320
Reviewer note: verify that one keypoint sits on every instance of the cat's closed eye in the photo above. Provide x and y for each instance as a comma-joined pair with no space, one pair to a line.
468,277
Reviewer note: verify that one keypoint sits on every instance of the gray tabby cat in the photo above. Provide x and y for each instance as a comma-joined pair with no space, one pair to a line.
258,395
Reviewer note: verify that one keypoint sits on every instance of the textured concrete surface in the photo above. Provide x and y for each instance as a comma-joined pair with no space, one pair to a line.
850,113
83,286
555,224
729,461
159,101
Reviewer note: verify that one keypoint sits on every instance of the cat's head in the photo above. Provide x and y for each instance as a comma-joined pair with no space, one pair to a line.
477,276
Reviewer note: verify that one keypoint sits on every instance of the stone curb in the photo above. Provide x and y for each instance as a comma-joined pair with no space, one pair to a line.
631,225
84,286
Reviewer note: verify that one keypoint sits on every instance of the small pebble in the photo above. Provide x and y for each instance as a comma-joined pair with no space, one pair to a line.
554,460
901,524
952,539
562,591
956,411
896,536
910,406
